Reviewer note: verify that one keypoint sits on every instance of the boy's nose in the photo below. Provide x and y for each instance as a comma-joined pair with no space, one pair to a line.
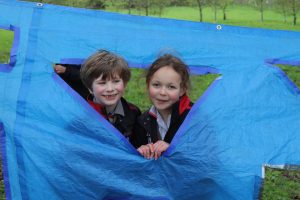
109,86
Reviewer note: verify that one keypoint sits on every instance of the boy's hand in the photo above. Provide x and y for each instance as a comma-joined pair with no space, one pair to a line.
146,150
59,69
159,147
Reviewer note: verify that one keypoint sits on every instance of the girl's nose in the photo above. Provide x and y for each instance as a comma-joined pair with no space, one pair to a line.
162,91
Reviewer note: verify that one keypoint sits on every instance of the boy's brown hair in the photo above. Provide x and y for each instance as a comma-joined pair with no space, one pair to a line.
106,64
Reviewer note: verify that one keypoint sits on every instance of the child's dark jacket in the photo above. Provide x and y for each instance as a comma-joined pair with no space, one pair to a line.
72,78
124,123
146,129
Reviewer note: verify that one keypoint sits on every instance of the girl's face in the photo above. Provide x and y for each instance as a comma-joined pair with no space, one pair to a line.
165,89
108,92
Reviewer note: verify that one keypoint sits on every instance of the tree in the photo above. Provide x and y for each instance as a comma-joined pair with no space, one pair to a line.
282,7
294,6
223,5
96,4
201,4
143,5
214,4
291,7
159,5
260,5
179,3
129,4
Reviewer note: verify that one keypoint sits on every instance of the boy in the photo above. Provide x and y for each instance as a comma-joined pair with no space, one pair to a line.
106,75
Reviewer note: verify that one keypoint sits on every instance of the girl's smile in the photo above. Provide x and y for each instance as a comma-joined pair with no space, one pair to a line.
165,89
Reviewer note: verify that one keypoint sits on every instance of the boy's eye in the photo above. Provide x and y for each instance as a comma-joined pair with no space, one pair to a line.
117,80
101,82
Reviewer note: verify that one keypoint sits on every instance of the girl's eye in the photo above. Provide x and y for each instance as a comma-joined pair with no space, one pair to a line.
171,87
155,85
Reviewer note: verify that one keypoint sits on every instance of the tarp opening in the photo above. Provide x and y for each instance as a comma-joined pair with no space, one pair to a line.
58,147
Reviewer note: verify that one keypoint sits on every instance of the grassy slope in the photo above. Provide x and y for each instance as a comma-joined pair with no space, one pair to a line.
236,15
281,184
6,39
136,88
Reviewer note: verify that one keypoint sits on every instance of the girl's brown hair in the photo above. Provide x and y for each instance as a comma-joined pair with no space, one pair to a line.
171,61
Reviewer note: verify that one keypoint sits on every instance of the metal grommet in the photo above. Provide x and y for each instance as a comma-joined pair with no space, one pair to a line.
39,4
219,27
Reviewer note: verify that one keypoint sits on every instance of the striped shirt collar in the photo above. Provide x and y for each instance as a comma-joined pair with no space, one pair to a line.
162,126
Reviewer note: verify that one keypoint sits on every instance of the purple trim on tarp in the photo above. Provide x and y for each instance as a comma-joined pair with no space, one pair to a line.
138,65
285,77
282,62
183,127
194,69
4,162
13,52
5,68
129,198
22,99
201,69
72,61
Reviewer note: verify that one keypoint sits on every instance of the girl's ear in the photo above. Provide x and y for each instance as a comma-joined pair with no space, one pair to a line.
182,91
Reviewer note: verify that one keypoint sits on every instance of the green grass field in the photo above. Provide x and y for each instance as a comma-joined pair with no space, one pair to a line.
6,40
279,184
199,85
236,16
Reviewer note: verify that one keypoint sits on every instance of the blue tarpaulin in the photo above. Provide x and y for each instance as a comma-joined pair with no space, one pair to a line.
55,146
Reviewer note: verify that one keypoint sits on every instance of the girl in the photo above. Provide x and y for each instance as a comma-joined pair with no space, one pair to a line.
167,82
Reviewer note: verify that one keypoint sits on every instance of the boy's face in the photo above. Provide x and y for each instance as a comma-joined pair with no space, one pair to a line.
108,92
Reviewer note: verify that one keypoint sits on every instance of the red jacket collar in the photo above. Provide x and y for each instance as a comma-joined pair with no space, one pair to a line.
98,107
184,104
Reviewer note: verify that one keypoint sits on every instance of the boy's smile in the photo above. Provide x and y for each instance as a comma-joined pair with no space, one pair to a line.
108,92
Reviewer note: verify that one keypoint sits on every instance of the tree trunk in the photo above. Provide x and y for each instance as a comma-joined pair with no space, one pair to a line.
129,7
147,7
215,2
294,13
284,18
147,10
261,11
161,7
224,13
200,10
284,12
215,14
